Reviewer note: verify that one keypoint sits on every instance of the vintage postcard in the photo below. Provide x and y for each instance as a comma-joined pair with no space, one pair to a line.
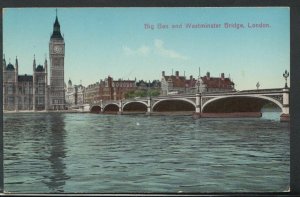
146,100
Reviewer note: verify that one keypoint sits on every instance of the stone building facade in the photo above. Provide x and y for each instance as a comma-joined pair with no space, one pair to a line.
74,95
105,89
217,84
91,93
57,55
176,84
24,92
10,84
121,87
110,89
32,92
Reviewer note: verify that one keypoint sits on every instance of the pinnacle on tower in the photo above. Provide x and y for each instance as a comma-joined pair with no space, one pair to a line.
16,61
45,63
4,61
34,63
56,29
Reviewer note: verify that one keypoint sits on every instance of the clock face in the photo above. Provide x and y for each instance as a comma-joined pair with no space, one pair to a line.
57,49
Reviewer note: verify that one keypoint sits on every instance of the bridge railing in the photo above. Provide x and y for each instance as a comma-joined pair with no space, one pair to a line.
260,91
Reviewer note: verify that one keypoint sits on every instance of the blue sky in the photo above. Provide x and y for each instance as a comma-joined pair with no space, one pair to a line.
114,41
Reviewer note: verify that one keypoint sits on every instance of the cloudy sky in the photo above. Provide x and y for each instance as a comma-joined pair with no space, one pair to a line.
140,43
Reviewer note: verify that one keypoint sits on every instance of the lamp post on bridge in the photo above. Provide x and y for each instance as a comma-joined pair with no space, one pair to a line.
148,89
149,100
286,74
198,85
285,116
120,106
197,113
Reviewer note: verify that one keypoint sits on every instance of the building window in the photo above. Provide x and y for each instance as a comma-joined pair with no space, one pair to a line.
40,100
40,91
10,100
10,90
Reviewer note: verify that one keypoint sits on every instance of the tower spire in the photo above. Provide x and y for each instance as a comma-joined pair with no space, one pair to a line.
56,28
17,67
4,62
45,58
46,64
34,63
4,59
16,61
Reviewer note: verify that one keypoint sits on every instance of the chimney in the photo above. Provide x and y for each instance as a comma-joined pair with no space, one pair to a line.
163,73
177,73
208,75
222,76
191,77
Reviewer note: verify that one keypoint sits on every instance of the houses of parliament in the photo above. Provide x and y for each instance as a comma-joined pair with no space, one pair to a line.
32,92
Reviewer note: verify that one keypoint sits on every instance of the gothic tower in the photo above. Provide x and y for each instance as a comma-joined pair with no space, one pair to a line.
57,54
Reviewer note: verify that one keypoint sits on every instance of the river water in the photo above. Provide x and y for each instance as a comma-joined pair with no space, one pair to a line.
93,153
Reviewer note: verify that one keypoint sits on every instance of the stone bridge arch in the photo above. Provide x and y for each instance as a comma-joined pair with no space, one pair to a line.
95,109
170,105
111,107
135,106
245,103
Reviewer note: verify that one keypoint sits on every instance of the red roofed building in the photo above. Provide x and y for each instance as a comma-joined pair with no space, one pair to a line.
217,84
121,87
179,84
110,89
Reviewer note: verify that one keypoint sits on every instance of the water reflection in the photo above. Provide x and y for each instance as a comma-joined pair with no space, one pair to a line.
54,152
57,154
271,113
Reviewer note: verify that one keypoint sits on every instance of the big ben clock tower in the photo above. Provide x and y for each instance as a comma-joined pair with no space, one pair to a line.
57,54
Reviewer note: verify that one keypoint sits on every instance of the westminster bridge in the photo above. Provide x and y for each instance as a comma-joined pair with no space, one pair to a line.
246,103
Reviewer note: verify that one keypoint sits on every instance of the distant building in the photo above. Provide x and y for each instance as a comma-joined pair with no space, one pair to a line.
180,84
177,84
110,89
217,84
91,93
155,84
40,87
25,92
70,94
106,89
142,85
121,87
74,95
79,94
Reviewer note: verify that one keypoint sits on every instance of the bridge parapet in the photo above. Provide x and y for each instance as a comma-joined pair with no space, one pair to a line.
141,99
273,90
174,96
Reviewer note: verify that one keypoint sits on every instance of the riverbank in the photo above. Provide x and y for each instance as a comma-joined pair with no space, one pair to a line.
44,111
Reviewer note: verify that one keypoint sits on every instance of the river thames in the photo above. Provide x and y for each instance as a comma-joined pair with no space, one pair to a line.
94,153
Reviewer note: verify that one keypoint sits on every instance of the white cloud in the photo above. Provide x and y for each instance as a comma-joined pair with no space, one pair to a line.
143,50
159,46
